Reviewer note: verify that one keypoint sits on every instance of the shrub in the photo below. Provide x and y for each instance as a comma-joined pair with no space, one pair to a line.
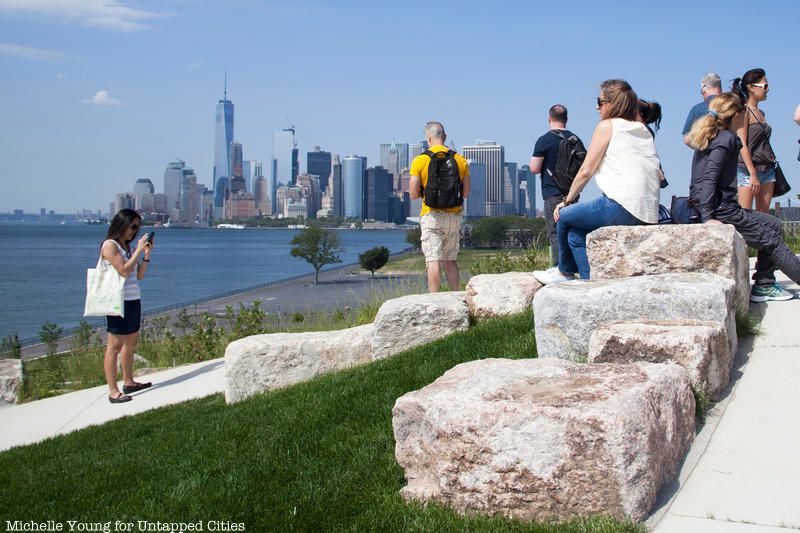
374,259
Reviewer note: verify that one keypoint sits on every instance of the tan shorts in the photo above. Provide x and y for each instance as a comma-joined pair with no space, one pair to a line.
441,235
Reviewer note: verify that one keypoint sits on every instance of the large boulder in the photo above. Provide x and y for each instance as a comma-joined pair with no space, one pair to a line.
409,321
264,362
493,295
624,251
700,347
10,380
566,314
545,439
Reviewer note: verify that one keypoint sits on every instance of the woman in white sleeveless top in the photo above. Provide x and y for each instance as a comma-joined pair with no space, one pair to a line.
123,332
623,158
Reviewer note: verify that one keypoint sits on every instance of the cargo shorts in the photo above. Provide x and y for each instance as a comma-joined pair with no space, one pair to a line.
441,235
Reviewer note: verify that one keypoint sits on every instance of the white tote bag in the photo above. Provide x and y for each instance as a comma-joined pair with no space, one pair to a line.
104,291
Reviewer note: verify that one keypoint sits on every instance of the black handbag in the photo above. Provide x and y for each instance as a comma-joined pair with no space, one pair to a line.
683,212
781,185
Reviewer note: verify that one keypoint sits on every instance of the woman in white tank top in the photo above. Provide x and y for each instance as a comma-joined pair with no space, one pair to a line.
123,332
623,158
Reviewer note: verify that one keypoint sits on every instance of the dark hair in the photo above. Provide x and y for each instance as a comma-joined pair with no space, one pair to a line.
739,85
120,224
558,113
650,113
620,100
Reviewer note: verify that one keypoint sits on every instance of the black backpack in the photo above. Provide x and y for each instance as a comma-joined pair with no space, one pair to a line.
444,188
571,154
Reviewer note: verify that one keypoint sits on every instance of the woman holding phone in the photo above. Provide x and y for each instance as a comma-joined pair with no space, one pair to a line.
123,332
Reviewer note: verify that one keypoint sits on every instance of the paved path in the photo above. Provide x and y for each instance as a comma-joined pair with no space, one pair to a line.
34,421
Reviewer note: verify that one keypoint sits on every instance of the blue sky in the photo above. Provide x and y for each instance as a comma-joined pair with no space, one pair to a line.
97,93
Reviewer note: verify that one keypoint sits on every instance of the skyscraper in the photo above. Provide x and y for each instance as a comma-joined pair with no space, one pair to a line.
379,188
394,158
223,137
492,155
415,149
283,152
188,203
263,202
528,204
238,184
143,186
476,201
318,163
309,185
353,186
172,183
336,183
511,186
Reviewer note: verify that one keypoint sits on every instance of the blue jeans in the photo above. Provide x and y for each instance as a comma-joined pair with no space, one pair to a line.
578,220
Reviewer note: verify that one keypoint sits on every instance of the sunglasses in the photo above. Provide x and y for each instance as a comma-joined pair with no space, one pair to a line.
600,101
763,86
135,227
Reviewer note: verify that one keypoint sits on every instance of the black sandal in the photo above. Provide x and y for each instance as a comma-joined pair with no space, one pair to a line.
136,387
122,398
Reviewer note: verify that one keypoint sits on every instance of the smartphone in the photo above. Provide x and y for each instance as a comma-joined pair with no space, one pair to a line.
150,237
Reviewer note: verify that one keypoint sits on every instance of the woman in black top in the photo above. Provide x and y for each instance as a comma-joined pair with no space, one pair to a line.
714,193
756,172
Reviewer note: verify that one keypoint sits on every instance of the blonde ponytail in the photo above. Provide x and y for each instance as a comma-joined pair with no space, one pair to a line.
703,131
721,111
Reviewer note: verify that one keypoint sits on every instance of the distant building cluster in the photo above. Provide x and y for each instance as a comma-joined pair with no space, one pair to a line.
331,186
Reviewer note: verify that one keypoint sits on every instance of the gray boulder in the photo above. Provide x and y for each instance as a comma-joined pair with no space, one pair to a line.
10,380
700,347
264,362
624,251
566,314
417,319
545,439
493,295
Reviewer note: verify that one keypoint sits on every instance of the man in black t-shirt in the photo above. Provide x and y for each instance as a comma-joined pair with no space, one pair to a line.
543,162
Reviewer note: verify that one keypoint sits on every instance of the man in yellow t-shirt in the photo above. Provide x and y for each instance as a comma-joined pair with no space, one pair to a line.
441,228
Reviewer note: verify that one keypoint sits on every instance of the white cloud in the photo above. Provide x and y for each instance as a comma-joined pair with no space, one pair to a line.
194,65
102,97
29,52
106,14
59,76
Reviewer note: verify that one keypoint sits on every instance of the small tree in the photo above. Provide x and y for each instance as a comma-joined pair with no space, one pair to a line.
183,320
319,247
414,237
10,346
49,334
83,336
374,258
490,231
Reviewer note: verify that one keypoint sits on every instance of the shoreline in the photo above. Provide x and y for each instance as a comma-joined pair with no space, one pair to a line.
339,285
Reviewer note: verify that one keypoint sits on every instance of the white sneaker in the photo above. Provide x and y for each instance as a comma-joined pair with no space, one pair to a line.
551,275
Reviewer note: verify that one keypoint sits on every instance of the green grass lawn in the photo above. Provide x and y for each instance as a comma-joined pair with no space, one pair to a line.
315,456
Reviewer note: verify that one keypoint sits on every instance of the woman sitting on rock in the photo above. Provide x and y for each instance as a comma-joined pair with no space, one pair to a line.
713,192
622,157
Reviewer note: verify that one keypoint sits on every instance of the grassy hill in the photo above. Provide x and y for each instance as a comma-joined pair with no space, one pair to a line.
315,456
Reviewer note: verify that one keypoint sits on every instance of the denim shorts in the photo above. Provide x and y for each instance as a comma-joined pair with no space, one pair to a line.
743,177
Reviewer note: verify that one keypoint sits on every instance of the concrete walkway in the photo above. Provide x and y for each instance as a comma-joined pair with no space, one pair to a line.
743,471
741,475
34,421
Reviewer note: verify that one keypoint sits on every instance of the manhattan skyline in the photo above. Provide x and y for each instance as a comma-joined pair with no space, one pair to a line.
99,94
